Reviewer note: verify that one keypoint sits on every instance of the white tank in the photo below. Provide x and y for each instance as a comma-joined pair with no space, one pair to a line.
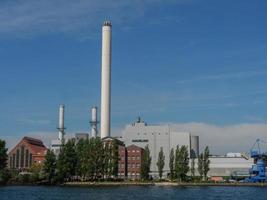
105,80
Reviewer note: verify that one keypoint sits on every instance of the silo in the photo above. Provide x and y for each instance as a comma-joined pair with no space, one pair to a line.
194,146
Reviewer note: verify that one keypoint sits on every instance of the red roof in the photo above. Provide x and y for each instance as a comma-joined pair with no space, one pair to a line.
36,146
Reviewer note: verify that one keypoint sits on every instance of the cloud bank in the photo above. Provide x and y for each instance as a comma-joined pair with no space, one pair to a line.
223,139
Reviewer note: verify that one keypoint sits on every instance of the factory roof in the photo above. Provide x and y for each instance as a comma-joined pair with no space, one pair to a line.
35,145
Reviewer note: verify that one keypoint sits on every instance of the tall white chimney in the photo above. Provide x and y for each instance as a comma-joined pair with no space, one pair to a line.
94,122
105,79
61,127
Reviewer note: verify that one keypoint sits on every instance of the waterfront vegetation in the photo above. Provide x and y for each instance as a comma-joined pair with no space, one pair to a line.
94,160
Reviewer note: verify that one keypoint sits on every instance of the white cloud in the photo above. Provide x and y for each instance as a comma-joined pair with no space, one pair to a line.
229,138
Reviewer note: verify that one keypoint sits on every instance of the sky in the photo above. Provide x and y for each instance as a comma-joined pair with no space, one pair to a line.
199,65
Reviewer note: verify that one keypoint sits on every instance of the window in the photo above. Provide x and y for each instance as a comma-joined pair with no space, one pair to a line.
14,161
138,158
30,159
22,157
137,151
27,158
133,158
133,151
10,162
17,159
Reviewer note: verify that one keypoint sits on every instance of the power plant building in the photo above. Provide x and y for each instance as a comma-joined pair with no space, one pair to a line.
157,137
27,152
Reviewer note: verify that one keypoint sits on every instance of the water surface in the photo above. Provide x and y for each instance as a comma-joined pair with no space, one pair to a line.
132,193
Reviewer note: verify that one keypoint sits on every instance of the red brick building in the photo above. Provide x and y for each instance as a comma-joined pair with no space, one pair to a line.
122,171
130,162
134,157
25,153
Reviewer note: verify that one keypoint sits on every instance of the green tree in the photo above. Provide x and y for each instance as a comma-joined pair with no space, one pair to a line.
3,155
36,173
49,167
161,162
4,175
181,163
67,160
192,167
171,164
200,166
145,164
206,162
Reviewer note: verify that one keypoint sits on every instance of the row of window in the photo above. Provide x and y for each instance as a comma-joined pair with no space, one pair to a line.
152,133
133,166
133,151
129,174
134,158
130,166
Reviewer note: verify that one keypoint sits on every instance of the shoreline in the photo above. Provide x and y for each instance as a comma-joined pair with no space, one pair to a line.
162,184
136,183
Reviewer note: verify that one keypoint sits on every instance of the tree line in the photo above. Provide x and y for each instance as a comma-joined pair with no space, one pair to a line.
90,160
178,164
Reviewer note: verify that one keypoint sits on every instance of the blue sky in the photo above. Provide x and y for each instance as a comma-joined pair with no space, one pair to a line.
177,61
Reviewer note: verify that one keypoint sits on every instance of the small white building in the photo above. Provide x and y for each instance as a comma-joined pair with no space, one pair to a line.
232,164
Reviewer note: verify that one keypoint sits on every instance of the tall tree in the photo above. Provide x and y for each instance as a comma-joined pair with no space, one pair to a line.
206,162
66,163
181,163
200,166
145,164
49,167
3,155
171,164
4,175
161,162
192,167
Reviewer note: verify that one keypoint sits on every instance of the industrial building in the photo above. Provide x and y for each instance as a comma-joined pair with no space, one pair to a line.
130,158
27,152
156,137
231,164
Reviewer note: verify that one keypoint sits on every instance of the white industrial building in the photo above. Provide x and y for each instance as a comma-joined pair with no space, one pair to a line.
231,164
157,136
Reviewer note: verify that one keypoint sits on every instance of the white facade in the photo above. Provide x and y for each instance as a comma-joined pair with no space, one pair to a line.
230,165
155,136
105,80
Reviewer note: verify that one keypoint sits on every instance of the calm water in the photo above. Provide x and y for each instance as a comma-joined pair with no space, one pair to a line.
133,193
